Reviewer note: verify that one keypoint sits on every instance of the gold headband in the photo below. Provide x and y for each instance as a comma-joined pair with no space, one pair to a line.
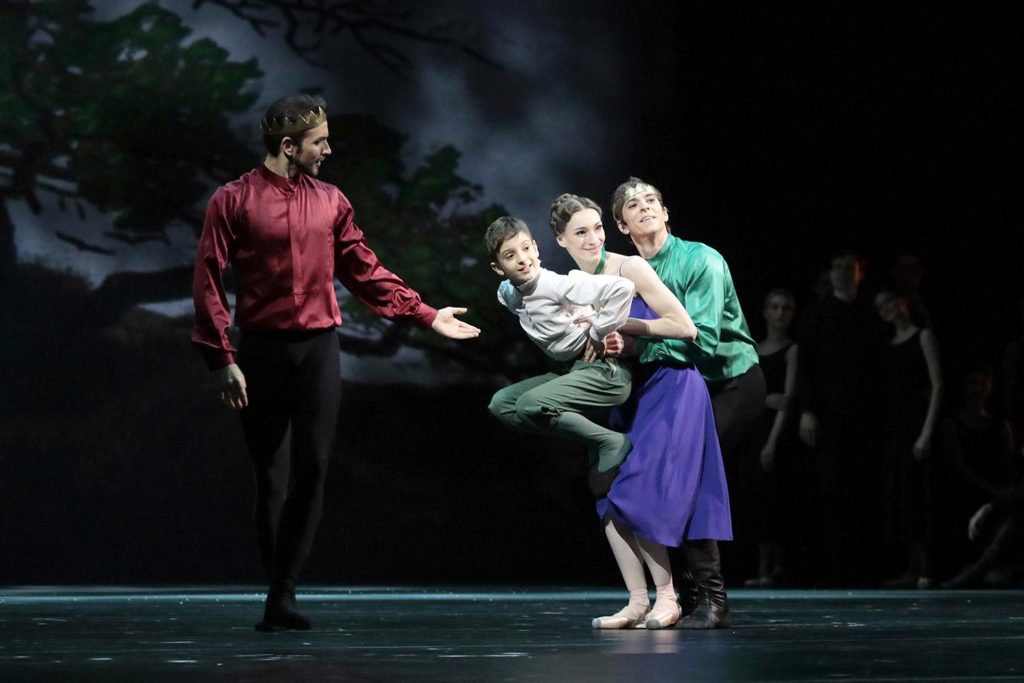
640,188
284,125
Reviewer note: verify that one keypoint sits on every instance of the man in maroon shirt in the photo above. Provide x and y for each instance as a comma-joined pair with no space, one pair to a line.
287,236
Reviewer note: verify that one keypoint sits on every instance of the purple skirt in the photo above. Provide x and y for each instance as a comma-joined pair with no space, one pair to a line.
672,486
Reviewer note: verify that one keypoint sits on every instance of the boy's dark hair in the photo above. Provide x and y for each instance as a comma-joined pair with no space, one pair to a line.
292,107
502,229
565,206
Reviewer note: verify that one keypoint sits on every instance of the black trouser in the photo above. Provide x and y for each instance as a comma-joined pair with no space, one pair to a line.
848,493
294,390
738,405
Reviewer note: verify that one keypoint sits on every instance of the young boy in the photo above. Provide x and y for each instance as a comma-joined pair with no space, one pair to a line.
561,313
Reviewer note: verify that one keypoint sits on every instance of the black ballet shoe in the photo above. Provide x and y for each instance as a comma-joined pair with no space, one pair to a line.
760,582
907,580
280,613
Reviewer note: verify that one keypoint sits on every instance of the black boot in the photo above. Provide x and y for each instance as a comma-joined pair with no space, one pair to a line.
689,593
712,608
281,613
712,611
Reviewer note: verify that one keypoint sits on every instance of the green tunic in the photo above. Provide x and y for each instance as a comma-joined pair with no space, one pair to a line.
700,278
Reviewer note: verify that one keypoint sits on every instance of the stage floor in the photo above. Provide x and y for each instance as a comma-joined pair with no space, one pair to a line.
199,633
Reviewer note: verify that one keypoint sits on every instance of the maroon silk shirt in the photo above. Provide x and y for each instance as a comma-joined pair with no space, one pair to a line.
287,240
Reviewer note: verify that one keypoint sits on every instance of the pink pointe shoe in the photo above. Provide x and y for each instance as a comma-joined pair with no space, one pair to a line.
630,616
664,614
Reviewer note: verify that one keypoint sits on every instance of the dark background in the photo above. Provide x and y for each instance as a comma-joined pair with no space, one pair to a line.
778,133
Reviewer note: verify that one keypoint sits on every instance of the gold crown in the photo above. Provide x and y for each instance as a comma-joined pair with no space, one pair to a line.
638,189
285,125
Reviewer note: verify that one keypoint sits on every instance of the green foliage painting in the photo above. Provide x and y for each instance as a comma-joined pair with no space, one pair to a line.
135,118
126,115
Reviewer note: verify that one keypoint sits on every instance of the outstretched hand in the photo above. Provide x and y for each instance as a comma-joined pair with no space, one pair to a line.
448,325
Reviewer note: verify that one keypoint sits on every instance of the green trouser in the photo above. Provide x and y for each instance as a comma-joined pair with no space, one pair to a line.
558,404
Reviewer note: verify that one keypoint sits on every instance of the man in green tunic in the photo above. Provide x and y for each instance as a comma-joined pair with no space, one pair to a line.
723,352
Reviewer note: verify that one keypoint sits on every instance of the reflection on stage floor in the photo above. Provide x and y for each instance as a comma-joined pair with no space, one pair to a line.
502,634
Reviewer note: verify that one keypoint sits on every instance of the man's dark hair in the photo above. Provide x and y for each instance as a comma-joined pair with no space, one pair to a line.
292,107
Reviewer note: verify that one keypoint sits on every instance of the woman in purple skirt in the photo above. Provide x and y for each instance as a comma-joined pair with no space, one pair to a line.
671,488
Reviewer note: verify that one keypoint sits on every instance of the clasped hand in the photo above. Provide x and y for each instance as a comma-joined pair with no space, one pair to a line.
611,347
